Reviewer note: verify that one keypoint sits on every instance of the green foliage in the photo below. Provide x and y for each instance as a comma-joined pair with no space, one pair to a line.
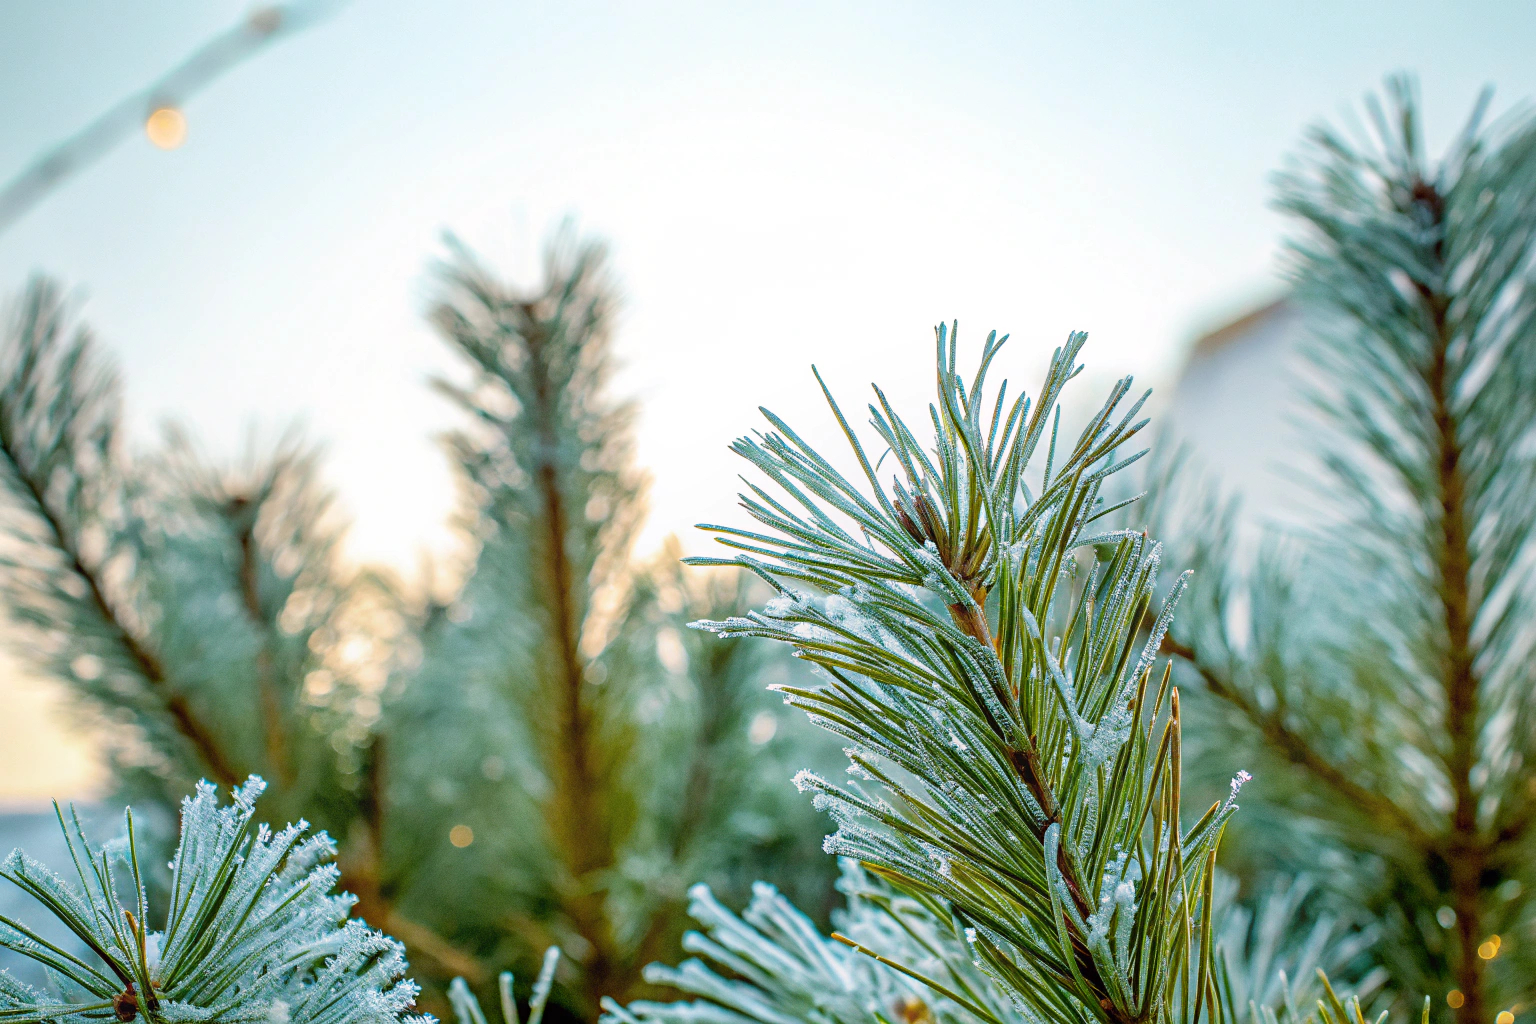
627,736
990,657
186,605
1333,1010
467,1008
1379,668
770,965
252,931
550,703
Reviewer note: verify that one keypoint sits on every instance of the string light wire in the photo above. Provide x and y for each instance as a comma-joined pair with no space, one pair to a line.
156,107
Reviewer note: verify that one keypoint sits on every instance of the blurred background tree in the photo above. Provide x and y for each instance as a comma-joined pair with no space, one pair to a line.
536,751
1379,666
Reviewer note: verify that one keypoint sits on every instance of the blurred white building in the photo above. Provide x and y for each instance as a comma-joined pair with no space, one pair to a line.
1238,404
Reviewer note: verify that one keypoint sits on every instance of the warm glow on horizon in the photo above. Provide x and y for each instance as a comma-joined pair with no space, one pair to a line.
49,753
166,127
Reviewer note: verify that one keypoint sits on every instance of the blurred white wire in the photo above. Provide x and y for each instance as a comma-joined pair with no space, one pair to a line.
260,27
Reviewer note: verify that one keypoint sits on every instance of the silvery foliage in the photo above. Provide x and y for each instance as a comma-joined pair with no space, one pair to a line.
252,932
989,656
771,966
466,1008
566,658
1381,660
1274,954
989,653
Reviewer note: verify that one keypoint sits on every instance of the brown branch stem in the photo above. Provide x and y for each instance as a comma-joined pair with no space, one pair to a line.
581,827
1467,852
972,621
272,715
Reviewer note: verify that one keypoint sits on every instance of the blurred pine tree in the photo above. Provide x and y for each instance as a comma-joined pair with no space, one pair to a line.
1380,669
546,756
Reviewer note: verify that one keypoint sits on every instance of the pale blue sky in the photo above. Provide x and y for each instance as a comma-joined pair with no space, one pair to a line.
782,183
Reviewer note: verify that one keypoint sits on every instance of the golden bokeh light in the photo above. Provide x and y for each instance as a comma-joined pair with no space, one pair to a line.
1505,1017
1454,999
1490,949
166,127
461,836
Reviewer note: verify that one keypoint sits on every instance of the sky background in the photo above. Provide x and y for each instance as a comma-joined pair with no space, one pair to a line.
781,184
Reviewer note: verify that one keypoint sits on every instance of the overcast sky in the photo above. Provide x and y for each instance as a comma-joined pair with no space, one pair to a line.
781,184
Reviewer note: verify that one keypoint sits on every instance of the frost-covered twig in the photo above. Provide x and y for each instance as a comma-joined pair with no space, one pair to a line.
252,932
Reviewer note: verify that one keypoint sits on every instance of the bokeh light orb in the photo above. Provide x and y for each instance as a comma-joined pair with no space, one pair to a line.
166,127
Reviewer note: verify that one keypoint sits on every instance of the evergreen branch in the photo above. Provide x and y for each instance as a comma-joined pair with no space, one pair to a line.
1014,741
549,458
1433,272
1400,631
1391,818
148,665
252,931
1467,851
36,440
771,965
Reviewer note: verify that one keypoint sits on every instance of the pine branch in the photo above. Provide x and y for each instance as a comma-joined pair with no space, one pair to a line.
60,402
545,444
1295,747
904,959
616,737
252,931
201,739
1436,337
1026,758
1467,851
58,421
1391,659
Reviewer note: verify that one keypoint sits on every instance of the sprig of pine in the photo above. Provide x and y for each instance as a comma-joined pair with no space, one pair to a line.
990,657
252,931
